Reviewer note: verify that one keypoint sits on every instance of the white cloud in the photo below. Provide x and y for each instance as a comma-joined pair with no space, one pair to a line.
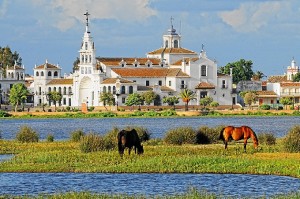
251,17
67,12
3,7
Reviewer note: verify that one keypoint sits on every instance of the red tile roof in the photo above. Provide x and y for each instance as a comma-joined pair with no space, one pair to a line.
60,81
149,72
205,85
290,84
47,65
108,61
172,51
113,81
187,60
266,93
277,78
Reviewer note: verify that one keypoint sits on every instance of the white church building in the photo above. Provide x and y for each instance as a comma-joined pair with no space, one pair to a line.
166,70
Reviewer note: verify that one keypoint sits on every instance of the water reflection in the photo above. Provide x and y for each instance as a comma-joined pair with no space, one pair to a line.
236,185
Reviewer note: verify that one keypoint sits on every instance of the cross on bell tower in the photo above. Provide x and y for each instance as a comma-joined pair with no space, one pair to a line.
87,21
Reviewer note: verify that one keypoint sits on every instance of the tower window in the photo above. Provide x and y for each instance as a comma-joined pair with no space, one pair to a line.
203,70
86,45
49,74
176,44
166,44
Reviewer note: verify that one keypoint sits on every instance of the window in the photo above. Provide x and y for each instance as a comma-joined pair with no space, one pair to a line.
65,90
70,90
49,74
160,82
82,70
203,70
49,89
135,65
182,86
42,73
203,94
86,45
130,89
37,74
64,101
166,44
170,83
59,90
82,58
90,58
123,100
223,84
109,89
104,89
176,44
122,89
55,74
147,83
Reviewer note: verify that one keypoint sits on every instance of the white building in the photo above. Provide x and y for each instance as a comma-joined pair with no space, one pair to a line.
166,71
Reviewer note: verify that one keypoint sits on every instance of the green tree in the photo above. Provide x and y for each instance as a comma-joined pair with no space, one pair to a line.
9,58
286,101
148,97
206,101
296,77
258,75
241,70
18,94
250,98
171,100
107,99
54,97
75,64
214,104
134,99
187,95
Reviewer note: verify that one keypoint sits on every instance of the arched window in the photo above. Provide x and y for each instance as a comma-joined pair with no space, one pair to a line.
42,73
12,75
104,89
130,89
70,90
166,44
59,90
49,89
37,73
65,90
55,74
49,74
17,76
109,89
175,43
82,58
122,89
203,70
114,90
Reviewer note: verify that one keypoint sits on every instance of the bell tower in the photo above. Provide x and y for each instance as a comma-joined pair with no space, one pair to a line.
87,52
171,39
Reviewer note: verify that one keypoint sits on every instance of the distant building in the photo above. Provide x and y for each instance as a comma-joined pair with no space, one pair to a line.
166,71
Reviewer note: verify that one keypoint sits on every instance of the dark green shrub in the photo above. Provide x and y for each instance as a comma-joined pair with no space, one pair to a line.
91,142
206,135
291,141
68,108
91,108
27,134
181,135
266,138
76,135
265,107
50,138
4,114
168,112
110,139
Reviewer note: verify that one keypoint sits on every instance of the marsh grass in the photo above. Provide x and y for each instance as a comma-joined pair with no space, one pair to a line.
65,156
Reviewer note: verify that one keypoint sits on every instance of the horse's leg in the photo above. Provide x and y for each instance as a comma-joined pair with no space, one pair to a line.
226,142
245,143
129,150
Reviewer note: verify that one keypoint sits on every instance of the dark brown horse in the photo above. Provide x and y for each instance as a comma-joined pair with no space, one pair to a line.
129,139
238,133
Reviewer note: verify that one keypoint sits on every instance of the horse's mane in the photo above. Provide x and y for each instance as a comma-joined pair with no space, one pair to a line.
254,134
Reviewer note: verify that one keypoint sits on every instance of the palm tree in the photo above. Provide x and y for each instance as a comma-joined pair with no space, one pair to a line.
187,95
55,97
107,99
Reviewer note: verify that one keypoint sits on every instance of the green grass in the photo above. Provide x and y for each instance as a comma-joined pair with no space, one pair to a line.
66,157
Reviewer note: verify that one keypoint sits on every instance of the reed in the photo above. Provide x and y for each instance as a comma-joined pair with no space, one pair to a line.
65,156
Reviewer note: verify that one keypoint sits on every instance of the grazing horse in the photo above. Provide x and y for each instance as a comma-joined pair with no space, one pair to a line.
238,133
129,139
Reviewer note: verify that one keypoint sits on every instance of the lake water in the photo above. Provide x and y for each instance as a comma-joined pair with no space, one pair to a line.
61,128
235,185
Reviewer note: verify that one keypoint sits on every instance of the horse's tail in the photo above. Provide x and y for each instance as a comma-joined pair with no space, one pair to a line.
222,135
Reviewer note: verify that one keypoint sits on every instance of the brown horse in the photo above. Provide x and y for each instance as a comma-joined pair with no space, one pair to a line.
238,133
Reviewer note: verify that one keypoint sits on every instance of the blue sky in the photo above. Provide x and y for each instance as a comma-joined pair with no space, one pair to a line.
264,31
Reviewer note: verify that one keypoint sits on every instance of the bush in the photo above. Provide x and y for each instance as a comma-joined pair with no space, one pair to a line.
68,108
291,142
265,107
110,139
4,114
27,134
266,138
76,135
168,112
91,143
91,108
206,135
50,138
181,135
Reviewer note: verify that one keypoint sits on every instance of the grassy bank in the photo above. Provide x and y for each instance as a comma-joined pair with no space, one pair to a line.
158,158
